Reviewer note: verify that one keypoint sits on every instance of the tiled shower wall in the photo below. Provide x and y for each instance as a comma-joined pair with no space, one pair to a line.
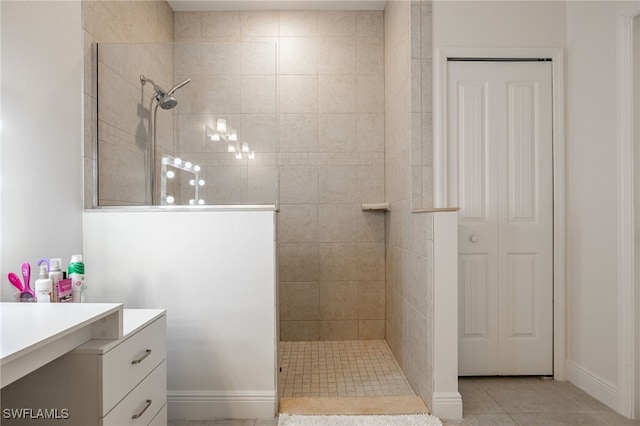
326,119
409,249
124,105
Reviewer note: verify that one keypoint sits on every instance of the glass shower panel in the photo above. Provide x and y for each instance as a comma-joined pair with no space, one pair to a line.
209,141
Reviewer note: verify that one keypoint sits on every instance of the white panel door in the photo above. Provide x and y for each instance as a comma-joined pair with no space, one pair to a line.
500,150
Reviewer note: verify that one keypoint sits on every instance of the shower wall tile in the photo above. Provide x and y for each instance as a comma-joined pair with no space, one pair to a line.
187,58
298,55
338,184
298,23
337,300
259,23
299,301
220,24
258,58
219,57
371,329
298,94
298,223
370,57
262,183
371,183
124,122
325,141
187,25
427,139
117,57
370,132
370,94
298,184
298,261
297,132
339,330
258,94
337,223
426,31
226,183
87,16
145,14
371,300
260,131
337,23
299,330
371,226
370,23
337,55
338,261
337,133
337,94
427,90
111,26
371,261
190,133
221,94
122,186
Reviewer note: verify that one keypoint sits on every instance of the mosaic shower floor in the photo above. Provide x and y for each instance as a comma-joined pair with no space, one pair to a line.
350,368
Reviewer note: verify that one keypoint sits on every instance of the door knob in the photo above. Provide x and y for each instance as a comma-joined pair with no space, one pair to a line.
473,239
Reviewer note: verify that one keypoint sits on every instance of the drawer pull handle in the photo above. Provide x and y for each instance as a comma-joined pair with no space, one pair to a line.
139,360
147,405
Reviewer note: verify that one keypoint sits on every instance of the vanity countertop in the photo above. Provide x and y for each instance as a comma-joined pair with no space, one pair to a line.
33,334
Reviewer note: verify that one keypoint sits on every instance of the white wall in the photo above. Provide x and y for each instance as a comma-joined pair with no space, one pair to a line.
41,169
591,182
498,23
587,30
214,272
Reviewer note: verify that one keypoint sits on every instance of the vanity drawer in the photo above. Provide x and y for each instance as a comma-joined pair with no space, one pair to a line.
131,361
161,418
151,393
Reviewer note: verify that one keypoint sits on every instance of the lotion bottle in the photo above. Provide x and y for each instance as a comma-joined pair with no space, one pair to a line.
43,286
55,273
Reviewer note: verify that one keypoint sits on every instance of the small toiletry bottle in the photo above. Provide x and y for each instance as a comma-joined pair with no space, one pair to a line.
43,286
76,273
55,273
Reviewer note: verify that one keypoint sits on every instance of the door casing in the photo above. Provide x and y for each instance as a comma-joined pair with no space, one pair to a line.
440,164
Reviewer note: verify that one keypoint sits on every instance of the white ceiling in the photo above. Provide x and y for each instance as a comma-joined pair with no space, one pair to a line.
208,5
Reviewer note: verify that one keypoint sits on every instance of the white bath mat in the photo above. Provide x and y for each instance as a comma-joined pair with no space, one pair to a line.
383,420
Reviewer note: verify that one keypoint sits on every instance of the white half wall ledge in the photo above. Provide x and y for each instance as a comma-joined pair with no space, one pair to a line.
231,5
220,404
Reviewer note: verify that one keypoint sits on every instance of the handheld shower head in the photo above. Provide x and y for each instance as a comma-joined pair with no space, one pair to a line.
167,102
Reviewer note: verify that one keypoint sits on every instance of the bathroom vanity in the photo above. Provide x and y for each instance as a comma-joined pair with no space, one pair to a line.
115,375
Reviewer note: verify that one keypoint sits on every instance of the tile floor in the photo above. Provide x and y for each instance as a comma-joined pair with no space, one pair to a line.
368,368
503,401
340,369
531,401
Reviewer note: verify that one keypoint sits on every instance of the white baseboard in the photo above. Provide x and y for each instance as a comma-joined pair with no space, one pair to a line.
592,384
220,404
447,405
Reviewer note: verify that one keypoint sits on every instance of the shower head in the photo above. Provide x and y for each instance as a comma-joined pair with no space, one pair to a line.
164,99
167,102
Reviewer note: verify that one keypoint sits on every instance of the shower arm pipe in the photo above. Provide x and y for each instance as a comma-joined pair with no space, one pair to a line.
177,86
